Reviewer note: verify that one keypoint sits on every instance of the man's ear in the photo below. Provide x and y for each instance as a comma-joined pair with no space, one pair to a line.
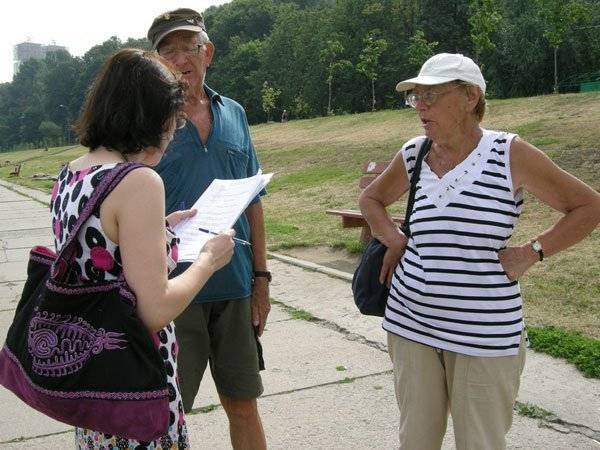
209,52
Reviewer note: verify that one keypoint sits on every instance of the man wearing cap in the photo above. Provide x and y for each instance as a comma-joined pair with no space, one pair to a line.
222,325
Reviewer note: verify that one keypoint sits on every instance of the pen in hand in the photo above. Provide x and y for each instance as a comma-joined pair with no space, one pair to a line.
239,241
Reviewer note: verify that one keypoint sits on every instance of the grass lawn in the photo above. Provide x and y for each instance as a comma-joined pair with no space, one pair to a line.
37,161
317,165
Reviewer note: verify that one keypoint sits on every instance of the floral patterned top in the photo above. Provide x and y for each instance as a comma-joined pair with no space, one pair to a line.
98,259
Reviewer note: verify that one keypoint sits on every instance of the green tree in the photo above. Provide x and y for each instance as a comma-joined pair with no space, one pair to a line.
290,58
368,60
270,95
51,133
238,75
519,64
329,56
247,19
6,136
27,100
558,17
61,73
91,62
419,49
142,43
484,20
299,44
446,22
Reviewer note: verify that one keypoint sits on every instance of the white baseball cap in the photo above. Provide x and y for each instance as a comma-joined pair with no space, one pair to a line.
445,67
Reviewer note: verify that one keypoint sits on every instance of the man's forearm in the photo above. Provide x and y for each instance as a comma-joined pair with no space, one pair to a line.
256,220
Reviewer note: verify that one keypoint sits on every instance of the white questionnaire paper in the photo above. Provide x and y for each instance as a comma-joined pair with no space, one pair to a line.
219,207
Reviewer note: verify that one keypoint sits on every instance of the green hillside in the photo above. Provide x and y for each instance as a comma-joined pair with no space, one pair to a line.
317,165
317,162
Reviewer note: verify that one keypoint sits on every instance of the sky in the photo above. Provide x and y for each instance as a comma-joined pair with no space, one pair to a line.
80,24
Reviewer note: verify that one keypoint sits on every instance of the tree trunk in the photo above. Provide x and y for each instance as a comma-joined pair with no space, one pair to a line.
329,100
556,70
373,94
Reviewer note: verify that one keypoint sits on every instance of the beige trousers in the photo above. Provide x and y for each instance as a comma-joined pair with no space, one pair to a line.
478,392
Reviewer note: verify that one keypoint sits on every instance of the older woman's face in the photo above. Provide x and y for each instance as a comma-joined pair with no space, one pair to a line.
441,107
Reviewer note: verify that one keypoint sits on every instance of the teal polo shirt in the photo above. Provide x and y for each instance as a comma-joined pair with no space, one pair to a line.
190,165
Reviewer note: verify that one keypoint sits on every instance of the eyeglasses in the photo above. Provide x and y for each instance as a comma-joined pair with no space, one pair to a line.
171,52
428,97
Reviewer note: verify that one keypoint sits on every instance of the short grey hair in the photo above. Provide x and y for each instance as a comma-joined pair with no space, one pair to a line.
480,108
203,38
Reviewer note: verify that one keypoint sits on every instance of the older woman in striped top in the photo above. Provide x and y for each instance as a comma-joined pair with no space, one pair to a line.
454,314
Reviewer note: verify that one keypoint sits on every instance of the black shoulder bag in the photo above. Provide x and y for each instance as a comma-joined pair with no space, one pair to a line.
370,296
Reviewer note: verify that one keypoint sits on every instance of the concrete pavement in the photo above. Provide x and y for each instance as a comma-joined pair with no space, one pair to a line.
328,379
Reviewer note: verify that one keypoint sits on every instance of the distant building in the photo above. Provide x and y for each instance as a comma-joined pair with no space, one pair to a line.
31,50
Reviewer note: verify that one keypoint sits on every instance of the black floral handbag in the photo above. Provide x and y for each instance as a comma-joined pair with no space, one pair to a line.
77,352
370,296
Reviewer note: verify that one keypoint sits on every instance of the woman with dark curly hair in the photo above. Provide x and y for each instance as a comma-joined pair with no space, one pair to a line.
130,114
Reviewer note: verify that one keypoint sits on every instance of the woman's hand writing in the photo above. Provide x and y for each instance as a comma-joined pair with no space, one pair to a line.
218,250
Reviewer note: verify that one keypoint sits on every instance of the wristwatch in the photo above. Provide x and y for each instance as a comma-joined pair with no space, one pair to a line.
266,274
537,247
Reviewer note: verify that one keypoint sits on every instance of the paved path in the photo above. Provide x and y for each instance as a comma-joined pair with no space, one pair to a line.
328,379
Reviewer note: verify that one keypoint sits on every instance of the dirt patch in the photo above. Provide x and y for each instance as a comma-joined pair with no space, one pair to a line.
325,256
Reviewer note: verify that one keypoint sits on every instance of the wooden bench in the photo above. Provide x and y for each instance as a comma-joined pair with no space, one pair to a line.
16,171
353,218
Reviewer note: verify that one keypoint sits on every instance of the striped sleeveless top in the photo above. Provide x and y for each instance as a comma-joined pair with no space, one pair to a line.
449,290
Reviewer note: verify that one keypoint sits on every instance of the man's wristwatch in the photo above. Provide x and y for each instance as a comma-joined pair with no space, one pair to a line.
265,274
537,247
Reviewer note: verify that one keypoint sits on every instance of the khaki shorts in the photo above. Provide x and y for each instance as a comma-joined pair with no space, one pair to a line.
219,333
479,393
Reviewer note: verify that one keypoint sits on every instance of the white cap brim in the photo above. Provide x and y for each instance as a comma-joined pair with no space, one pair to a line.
425,80
195,28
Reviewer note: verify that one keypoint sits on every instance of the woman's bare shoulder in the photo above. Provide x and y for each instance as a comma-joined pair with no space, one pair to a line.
140,188
142,178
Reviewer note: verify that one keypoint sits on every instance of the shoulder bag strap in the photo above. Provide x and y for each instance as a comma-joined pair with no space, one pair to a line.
109,181
414,180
